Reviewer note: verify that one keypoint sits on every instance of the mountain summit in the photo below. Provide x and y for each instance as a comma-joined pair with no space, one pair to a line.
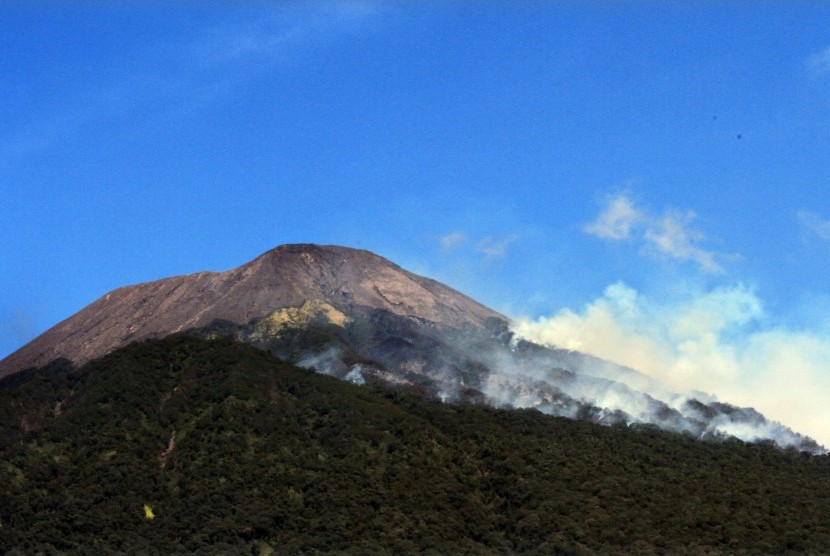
287,276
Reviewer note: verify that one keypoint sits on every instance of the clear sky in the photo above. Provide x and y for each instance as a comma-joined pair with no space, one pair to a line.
646,181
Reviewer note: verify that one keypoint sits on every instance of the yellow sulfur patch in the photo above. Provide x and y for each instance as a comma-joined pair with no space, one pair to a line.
298,317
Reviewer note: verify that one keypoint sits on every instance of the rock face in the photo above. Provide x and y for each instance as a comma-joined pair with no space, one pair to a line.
288,276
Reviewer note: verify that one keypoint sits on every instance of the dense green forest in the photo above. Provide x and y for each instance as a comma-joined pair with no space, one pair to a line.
228,449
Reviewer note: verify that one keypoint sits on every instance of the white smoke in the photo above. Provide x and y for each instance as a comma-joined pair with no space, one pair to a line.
355,376
327,362
716,341
330,362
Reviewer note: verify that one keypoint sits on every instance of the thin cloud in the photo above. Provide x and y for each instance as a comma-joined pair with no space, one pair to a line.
490,247
452,240
268,37
671,234
819,63
716,341
184,76
493,248
617,220
815,225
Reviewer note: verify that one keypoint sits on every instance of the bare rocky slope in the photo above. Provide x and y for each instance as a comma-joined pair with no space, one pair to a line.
286,276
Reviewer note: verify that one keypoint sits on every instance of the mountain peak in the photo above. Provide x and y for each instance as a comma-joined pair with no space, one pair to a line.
286,276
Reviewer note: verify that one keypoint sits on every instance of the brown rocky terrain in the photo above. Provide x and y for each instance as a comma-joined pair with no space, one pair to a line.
287,276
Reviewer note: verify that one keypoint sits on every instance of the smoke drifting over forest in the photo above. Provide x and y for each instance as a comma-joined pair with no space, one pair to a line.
717,342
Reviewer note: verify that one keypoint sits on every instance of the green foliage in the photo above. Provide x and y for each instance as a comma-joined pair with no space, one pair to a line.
236,451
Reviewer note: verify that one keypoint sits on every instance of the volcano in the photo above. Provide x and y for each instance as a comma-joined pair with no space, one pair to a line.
355,315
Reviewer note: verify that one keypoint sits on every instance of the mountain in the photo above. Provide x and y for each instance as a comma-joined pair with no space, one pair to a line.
359,317
191,446
288,276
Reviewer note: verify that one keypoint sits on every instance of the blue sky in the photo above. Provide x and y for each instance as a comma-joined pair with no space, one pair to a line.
648,182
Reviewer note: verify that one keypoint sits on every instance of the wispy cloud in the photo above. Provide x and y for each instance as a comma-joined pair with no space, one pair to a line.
488,247
671,234
189,73
452,240
716,341
819,63
493,248
617,220
815,224
268,37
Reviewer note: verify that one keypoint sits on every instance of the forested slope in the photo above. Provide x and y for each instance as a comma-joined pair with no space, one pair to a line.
231,449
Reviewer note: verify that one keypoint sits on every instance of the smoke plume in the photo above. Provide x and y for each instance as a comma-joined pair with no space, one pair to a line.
327,362
716,341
